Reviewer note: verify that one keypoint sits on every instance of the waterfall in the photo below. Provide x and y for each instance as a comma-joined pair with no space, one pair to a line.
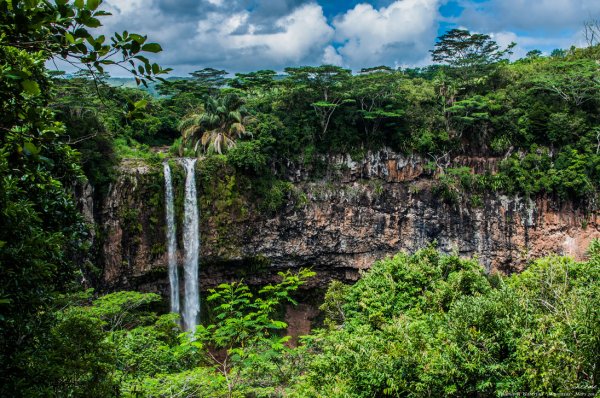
171,240
191,246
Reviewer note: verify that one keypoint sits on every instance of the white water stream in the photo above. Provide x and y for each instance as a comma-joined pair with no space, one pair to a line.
191,247
171,240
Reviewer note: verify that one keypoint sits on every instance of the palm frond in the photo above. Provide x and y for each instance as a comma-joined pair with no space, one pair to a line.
235,115
216,125
237,129
189,121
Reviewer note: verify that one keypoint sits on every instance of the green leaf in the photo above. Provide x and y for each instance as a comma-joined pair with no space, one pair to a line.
141,104
92,23
93,4
324,104
79,4
31,87
31,149
142,58
48,161
152,48
197,344
278,324
137,38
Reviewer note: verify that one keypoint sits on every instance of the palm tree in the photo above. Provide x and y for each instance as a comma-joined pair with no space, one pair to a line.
218,124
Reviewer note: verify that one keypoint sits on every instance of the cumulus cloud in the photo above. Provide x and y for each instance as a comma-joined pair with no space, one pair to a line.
243,35
403,32
298,36
271,36
332,57
540,15
541,24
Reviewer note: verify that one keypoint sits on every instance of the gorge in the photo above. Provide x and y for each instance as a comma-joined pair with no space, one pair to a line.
302,230
339,225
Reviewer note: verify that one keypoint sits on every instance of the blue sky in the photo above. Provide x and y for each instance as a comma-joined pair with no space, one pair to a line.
245,35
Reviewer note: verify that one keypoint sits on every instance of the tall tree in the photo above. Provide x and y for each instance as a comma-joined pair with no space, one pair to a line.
202,83
461,48
468,54
374,90
327,85
254,82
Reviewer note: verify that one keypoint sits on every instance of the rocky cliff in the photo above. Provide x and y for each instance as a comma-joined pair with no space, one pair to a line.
339,224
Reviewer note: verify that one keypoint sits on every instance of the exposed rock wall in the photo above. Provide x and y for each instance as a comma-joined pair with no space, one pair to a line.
359,212
131,226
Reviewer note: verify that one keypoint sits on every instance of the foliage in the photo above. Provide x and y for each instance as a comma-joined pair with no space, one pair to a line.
43,239
425,324
248,156
416,325
454,181
434,325
229,356
216,126
460,48
41,229
61,30
478,104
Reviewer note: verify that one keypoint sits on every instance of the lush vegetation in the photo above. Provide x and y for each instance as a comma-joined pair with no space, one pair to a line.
42,237
433,325
416,325
538,117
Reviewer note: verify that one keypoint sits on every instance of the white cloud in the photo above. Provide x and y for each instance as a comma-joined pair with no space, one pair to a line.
332,57
527,43
217,3
125,6
243,35
402,32
528,15
300,33
234,39
541,24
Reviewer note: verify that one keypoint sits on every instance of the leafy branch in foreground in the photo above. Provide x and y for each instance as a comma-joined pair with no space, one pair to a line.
43,240
245,330
61,31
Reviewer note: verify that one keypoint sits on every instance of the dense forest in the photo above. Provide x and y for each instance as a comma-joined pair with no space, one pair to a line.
538,116
415,325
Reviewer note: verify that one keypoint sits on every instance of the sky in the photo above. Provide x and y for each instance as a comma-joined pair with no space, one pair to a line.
247,35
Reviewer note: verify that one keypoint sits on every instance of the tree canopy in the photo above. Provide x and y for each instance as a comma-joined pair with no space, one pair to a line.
460,48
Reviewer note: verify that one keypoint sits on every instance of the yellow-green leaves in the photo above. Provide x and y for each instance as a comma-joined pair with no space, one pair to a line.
31,87
30,149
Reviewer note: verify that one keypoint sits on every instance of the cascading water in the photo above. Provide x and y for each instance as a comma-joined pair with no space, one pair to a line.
171,240
191,246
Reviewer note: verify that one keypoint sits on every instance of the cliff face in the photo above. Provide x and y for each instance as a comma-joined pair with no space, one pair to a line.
360,212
